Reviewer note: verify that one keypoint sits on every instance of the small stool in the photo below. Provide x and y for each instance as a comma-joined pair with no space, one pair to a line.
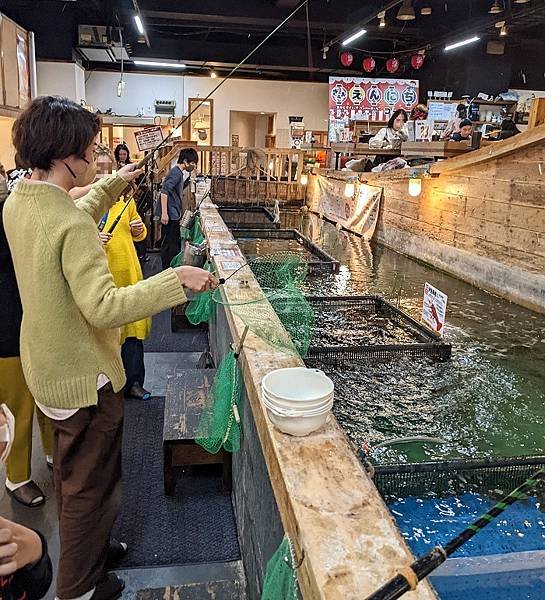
185,401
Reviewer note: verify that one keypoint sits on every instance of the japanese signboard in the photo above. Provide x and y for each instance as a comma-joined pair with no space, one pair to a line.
364,99
148,138
434,309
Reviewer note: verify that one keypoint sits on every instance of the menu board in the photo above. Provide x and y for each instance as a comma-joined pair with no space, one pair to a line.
441,111
148,138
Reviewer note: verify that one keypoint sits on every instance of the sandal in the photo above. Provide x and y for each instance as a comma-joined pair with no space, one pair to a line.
29,494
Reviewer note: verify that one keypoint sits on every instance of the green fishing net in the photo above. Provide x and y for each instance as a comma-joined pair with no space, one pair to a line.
279,299
194,234
219,426
200,308
280,579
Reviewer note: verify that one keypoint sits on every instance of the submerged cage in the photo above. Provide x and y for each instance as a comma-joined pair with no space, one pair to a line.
419,341
248,217
446,478
319,261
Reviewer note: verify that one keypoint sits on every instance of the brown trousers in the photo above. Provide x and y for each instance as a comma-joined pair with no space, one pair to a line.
87,474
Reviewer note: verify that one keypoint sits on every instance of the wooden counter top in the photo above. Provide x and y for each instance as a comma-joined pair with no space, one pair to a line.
330,508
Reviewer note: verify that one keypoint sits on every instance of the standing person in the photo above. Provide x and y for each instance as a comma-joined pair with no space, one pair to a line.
69,335
14,391
126,270
122,156
171,206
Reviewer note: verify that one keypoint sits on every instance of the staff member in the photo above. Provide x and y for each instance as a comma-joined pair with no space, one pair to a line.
69,335
391,136
14,391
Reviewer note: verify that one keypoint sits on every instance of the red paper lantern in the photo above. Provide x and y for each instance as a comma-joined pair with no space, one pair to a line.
346,59
369,64
392,65
417,60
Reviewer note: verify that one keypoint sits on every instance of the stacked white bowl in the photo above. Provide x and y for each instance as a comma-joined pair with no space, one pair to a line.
297,399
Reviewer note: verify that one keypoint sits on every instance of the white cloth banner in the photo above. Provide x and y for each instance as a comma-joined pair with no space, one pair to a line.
358,214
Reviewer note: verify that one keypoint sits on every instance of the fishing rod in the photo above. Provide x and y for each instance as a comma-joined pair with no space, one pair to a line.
407,579
142,163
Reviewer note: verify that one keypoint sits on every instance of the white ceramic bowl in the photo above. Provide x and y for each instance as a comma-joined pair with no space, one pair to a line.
288,412
298,426
296,406
297,384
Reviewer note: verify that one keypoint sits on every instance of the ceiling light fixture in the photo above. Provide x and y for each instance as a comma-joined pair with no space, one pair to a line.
153,63
521,1
425,11
382,17
504,30
139,24
213,74
354,37
406,11
495,9
325,50
475,38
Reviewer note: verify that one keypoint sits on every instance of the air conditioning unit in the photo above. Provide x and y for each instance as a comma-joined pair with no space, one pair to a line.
165,107
95,44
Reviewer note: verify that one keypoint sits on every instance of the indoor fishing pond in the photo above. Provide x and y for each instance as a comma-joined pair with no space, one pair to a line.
485,403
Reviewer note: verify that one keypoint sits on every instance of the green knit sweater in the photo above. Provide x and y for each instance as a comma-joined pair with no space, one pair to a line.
71,306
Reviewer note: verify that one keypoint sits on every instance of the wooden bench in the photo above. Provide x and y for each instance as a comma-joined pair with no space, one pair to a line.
185,400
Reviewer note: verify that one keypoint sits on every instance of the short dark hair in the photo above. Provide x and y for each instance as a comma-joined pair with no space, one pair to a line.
465,123
188,155
118,149
508,125
53,128
396,114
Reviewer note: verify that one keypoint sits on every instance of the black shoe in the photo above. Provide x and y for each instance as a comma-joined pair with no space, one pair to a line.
138,392
110,587
116,553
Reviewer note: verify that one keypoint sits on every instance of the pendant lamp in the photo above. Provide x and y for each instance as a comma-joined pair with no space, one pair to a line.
406,11
495,9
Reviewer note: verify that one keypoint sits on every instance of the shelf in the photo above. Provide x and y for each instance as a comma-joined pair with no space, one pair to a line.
495,102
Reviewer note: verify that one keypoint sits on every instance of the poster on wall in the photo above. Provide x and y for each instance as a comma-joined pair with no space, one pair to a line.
23,69
434,309
358,214
364,99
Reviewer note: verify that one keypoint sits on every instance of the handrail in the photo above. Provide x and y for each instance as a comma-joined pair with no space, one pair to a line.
531,137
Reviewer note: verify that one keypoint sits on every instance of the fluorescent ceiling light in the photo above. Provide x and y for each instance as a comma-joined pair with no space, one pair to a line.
152,63
139,24
354,37
475,38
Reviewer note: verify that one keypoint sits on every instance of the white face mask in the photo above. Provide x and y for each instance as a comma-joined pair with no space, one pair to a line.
7,432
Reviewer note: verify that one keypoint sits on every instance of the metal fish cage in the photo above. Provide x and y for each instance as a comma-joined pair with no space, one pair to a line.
248,217
419,341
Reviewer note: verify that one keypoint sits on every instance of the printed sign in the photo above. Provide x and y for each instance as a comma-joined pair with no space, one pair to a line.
148,138
230,265
434,309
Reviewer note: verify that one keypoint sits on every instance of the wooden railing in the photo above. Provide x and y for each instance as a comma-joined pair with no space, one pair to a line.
242,175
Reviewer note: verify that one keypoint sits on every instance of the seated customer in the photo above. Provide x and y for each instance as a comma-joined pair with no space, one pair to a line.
466,129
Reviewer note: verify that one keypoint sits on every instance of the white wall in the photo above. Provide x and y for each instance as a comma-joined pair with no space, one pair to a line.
61,79
284,98
261,130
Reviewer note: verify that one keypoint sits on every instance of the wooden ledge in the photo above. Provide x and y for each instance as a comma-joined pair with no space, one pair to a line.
329,506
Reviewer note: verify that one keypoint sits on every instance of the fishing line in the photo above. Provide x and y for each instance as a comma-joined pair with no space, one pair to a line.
142,163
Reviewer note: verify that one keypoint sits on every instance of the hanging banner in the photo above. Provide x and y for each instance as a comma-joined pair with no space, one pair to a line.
434,309
359,214
365,99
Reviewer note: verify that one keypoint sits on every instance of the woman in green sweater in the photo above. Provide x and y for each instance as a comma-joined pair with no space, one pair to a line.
69,335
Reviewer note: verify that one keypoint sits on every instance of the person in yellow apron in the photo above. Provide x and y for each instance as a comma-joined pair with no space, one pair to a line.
126,270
